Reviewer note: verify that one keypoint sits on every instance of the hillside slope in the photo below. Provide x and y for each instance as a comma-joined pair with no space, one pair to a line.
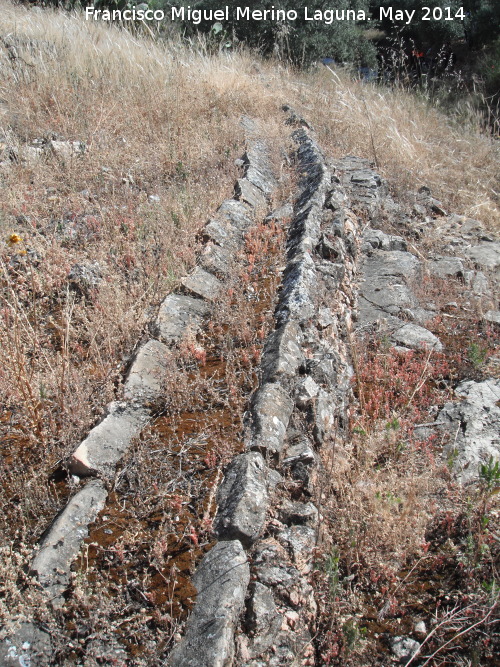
115,151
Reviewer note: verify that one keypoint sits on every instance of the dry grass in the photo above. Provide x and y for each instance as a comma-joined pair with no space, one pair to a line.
412,143
403,541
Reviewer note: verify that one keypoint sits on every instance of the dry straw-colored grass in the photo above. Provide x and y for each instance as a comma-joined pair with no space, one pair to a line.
412,143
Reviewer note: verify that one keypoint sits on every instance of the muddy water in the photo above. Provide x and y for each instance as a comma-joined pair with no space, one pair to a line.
156,526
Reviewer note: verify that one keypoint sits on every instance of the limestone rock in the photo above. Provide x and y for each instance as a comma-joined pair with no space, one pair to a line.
178,315
216,259
473,424
249,193
446,267
28,646
62,543
109,440
376,239
242,499
146,377
416,337
492,316
301,541
304,514
282,353
300,450
485,255
306,391
203,284
221,580
85,277
270,413
404,647
323,416
263,619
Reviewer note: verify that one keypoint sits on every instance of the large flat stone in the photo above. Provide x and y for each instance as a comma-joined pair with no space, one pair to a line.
263,619
216,259
179,314
474,427
242,499
263,181
297,291
485,255
249,193
282,355
236,213
446,267
62,543
146,378
224,234
28,646
270,413
416,337
301,541
391,263
221,581
109,440
203,284
377,239
324,411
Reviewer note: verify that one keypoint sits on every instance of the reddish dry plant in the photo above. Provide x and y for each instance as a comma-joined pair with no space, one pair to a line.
397,385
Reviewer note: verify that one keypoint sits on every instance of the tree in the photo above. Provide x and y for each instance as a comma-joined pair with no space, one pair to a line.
300,41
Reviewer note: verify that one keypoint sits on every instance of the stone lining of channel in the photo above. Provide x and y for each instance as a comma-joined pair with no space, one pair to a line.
255,605
97,456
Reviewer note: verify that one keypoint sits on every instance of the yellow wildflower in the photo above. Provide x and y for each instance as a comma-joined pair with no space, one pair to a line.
14,239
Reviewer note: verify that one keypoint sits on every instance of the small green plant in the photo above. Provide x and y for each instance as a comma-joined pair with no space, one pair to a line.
489,474
353,634
333,572
452,457
477,354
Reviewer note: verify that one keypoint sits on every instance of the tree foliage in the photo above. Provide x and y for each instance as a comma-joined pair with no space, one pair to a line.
299,41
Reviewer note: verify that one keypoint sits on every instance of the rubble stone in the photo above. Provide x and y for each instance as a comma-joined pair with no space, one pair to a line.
221,580
62,543
179,314
242,499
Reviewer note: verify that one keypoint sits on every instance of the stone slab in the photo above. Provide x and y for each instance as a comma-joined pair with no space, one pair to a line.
324,410
249,193
474,427
263,619
416,337
203,284
28,646
377,239
297,291
270,412
446,267
242,499
263,181
282,355
236,213
61,545
179,314
301,541
146,378
221,581
216,259
109,440
485,255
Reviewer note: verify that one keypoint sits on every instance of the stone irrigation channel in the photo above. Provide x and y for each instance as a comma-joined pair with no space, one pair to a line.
250,599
